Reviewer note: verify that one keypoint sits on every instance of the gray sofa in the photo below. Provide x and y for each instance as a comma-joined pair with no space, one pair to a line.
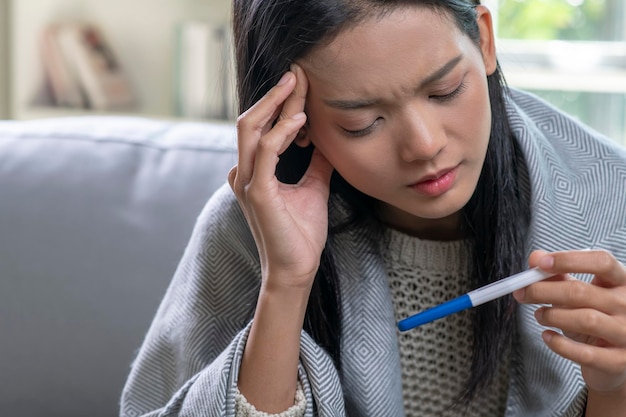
95,213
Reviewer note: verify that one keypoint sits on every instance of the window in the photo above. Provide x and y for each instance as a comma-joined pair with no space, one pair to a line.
570,52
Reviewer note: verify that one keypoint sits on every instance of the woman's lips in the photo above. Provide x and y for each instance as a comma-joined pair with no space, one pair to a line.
438,184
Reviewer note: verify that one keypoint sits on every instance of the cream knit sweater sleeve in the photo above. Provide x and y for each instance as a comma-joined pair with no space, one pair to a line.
244,409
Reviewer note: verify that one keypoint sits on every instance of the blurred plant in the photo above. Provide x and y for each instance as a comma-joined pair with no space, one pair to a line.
553,19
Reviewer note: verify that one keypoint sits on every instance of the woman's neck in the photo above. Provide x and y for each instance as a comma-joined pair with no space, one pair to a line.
443,229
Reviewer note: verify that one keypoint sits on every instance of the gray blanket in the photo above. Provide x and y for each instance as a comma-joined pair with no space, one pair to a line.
189,361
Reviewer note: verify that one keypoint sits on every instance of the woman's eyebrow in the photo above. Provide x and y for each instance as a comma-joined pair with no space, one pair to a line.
351,104
441,72
363,103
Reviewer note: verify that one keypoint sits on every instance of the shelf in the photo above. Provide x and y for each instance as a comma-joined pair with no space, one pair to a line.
140,32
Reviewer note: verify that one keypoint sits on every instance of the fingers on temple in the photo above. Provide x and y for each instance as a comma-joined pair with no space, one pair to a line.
270,145
295,103
258,120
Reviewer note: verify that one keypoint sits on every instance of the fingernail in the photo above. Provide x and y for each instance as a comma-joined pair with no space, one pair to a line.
299,116
547,336
539,314
520,294
546,263
283,79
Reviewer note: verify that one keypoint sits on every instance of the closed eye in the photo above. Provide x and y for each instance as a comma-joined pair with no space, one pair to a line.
452,95
361,132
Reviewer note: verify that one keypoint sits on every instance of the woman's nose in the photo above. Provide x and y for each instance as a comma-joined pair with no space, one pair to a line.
422,136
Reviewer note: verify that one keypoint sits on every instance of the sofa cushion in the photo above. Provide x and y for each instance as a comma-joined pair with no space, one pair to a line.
95,213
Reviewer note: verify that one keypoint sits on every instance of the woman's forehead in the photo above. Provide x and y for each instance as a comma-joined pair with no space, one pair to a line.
417,40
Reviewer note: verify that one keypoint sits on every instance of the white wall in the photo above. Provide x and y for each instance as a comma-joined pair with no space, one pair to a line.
4,64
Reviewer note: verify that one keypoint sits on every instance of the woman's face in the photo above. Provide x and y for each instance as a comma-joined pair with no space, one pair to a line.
399,106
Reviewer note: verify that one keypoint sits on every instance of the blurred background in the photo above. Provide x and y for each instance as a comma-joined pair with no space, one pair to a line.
171,52
570,52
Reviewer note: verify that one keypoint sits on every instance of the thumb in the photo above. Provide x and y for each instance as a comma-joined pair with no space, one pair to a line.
535,256
319,171
231,177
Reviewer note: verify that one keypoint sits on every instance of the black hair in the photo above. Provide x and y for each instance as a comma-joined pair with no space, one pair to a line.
271,34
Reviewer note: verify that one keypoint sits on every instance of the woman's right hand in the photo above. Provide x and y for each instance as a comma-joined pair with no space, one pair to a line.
289,222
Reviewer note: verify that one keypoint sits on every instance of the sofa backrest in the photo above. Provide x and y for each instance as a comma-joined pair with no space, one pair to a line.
95,213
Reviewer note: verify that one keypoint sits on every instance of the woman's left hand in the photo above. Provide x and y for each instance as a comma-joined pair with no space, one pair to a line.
592,315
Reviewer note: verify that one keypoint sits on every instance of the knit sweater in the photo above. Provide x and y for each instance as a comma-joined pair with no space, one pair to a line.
189,361
435,358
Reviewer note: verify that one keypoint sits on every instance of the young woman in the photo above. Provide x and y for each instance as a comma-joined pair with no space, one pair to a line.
385,168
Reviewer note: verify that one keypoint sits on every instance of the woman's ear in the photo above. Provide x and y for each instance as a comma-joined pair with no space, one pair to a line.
302,138
487,39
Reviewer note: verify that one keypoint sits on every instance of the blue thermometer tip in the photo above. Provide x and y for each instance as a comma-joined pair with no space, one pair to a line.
449,307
